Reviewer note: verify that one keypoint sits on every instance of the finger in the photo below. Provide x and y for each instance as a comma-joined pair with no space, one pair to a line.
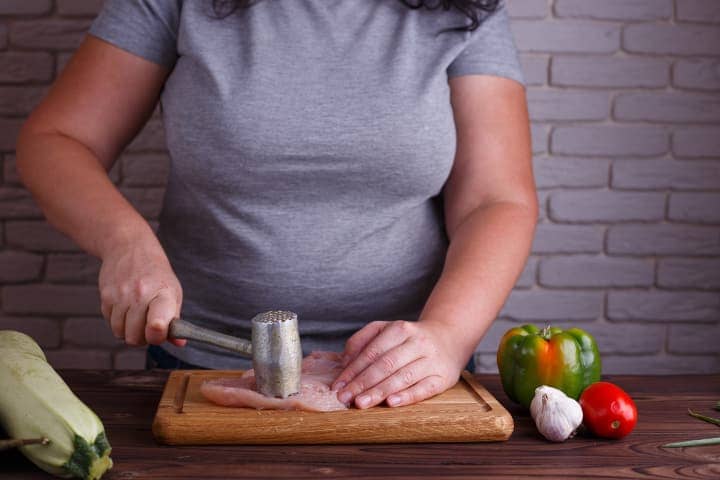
385,367
422,390
135,324
106,310
400,380
359,340
161,310
117,320
390,337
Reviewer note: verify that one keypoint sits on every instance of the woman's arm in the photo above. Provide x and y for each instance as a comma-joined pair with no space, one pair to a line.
98,104
490,214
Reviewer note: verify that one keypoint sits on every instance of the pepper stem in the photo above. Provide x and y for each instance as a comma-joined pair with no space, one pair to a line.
545,332
7,444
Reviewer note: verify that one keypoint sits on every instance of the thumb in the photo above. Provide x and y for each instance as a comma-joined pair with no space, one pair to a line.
161,311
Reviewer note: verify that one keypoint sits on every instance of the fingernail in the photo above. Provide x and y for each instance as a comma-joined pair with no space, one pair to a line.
393,400
339,386
363,401
344,397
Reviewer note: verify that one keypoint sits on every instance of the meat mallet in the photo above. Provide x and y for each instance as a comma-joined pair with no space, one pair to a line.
275,349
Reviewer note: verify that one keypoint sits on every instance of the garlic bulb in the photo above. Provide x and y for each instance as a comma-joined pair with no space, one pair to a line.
556,415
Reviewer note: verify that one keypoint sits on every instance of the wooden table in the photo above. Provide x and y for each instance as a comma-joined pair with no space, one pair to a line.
126,402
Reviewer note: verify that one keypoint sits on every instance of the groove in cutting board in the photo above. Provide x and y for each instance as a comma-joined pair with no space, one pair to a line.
465,413
179,399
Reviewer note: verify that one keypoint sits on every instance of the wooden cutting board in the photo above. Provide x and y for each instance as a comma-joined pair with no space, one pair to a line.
465,413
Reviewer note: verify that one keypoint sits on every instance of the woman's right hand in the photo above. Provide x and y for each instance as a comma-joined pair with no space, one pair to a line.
139,292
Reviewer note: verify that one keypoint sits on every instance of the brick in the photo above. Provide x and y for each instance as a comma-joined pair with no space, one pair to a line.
9,172
663,239
559,172
528,8
615,9
50,34
25,67
566,36
548,305
689,273
486,363
527,277
666,39
672,107
635,339
595,272
17,203
72,268
15,101
552,238
698,11
51,299
695,207
551,105
25,7
79,7
150,138
17,266
45,331
659,174
655,306
37,236
9,131
145,170
147,201
130,359
491,340
540,134
543,196
62,60
535,68
609,72
82,359
697,142
660,364
89,332
697,74
694,339
606,206
610,141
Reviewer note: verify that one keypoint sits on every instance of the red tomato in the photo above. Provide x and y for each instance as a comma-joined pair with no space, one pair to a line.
607,410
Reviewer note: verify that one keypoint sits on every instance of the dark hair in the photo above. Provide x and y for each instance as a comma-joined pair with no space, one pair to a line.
475,10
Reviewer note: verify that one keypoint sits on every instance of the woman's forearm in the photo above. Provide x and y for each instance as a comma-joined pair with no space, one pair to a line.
74,191
486,255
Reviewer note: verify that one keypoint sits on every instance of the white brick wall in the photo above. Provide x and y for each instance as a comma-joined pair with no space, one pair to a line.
624,97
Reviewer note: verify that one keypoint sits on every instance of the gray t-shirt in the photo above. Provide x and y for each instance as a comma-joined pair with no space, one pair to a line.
309,141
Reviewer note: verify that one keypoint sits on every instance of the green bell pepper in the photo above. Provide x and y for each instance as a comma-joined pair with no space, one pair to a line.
529,357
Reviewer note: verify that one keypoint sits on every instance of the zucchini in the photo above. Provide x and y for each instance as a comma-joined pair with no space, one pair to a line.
35,403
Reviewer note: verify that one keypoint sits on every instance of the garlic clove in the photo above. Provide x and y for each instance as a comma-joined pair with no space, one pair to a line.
556,415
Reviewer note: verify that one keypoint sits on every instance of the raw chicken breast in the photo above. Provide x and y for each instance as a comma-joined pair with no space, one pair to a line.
319,370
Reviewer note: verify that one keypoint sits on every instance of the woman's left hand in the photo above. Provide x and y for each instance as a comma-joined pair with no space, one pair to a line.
400,362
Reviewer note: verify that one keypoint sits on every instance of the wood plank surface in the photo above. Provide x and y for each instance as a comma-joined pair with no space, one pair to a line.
127,402
465,413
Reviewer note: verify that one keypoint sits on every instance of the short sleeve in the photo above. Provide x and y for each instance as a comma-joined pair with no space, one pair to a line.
146,28
490,50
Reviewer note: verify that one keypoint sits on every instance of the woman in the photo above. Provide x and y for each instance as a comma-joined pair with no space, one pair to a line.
364,164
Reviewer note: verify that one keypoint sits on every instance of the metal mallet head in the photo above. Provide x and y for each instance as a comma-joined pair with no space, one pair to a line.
277,354
275,349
